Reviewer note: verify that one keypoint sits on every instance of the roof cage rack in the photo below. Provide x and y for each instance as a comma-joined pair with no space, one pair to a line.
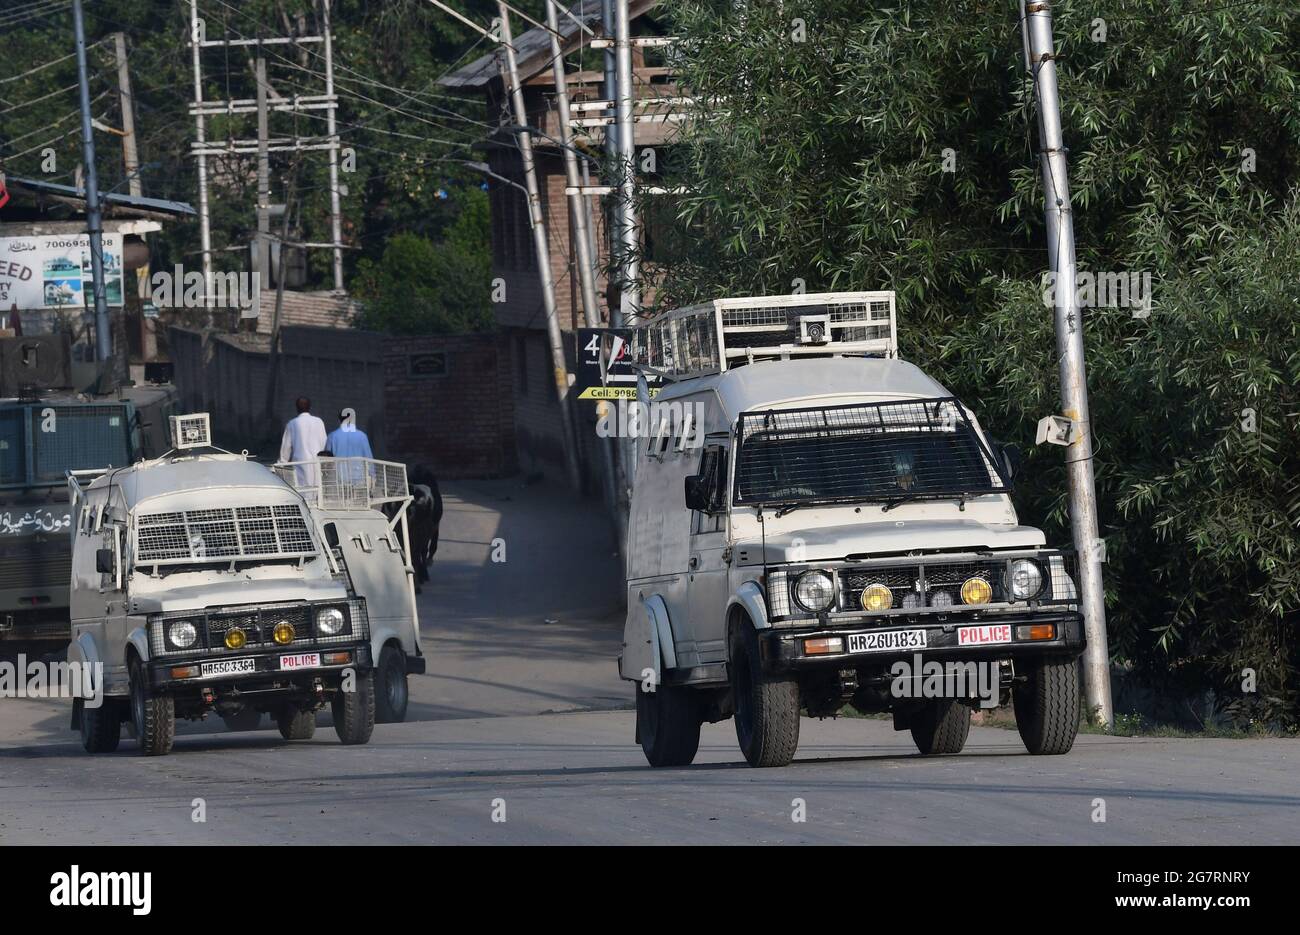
712,337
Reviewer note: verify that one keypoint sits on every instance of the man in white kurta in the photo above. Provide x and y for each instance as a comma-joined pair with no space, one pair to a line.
304,438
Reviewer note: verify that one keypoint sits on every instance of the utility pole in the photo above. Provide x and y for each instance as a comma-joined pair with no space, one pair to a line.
94,224
200,137
628,246
262,254
510,76
1036,19
579,208
331,130
131,163
610,93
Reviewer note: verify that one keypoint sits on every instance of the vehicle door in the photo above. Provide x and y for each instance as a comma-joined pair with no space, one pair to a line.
708,585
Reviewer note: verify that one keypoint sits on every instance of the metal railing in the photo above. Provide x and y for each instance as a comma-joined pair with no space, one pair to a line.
346,483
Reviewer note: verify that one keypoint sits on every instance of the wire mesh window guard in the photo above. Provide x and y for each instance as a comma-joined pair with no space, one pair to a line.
874,452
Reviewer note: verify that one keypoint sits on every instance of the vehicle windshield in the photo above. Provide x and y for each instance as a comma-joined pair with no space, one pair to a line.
62,437
870,452
234,536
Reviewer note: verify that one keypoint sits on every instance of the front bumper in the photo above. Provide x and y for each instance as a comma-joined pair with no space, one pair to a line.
269,671
786,650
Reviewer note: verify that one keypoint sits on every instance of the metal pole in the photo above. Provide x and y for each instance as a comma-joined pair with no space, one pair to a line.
94,225
577,202
336,227
263,252
578,209
1037,26
200,136
610,93
511,80
134,185
628,240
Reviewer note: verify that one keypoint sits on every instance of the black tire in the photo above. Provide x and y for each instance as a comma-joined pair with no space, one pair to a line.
154,716
767,707
941,727
354,711
668,725
245,719
392,694
101,728
1047,706
296,723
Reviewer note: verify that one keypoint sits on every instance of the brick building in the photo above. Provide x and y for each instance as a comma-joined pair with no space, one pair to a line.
521,316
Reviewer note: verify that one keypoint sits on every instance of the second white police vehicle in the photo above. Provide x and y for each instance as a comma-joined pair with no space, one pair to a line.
809,513
203,582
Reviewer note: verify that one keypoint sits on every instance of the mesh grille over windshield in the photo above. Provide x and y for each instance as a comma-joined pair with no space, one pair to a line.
876,452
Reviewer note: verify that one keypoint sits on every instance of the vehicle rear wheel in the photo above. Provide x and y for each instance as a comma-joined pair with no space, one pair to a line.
296,723
244,719
354,711
767,707
1047,706
941,726
391,691
101,728
668,725
153,715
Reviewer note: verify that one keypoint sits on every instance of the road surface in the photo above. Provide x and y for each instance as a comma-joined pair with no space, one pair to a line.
522,733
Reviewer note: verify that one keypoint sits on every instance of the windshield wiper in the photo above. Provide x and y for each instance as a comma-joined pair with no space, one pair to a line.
899,501
785,508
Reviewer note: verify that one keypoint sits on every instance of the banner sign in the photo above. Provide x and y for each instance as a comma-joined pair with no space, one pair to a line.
595,379
53,271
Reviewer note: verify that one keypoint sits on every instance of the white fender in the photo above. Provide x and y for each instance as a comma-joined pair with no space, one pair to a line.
749,596
648,642
83,652
139,638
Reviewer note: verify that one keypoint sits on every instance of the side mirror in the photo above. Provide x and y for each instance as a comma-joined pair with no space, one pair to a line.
697,495
104,562
1011,459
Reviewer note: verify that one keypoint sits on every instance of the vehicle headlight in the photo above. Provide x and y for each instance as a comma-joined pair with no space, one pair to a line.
815,591
182,634
1025,579
976,591
877,597
283,632
330,621
236,638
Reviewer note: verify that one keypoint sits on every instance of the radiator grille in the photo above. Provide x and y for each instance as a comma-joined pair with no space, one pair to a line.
278,531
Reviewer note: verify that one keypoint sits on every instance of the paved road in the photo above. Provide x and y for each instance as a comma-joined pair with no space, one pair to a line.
525,720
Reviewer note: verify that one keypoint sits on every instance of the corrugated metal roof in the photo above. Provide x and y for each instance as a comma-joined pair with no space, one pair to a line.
533,48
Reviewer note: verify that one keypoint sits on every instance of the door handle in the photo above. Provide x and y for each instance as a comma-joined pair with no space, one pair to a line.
694,563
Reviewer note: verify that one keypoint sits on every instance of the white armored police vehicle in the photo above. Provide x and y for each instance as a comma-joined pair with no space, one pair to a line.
205,582
816,523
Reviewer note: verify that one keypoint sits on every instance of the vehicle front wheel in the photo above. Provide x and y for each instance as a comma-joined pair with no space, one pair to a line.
153,715
668,725
391,691
354,711
941,726
101,727
295,723
1047,706
767,707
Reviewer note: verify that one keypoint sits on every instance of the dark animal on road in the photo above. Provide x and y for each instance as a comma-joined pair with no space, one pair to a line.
423,517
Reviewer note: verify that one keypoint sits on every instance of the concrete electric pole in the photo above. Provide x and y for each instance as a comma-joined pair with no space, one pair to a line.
510,77
1036,23
94,224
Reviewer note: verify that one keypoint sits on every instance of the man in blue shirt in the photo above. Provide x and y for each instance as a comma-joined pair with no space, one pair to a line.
348,441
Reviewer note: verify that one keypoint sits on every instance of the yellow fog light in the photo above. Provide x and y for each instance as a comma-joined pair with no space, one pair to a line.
877,597
236,638
283,632
976,591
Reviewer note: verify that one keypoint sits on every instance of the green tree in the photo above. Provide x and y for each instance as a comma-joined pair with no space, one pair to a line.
824,160
424,287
